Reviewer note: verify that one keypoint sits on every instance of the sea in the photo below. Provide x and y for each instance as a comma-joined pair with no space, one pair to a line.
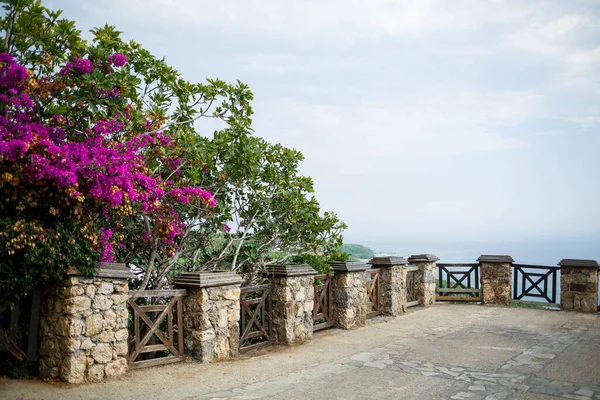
542,252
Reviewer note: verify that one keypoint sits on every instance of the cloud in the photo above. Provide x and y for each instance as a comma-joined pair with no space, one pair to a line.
461,123
555,132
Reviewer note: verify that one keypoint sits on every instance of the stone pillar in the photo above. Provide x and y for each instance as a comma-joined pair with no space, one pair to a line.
83,326
393,284
579,285
211,314
496,279
349,294
293,302
425,286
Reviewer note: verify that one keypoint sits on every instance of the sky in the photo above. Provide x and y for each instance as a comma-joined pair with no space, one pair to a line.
458,127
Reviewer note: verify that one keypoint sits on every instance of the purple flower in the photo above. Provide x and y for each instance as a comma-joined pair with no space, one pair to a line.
118,60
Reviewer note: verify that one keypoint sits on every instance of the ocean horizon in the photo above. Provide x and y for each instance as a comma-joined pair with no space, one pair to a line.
536,252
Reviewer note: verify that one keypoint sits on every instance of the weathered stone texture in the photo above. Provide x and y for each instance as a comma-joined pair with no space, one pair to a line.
579,289
496,281
349,299
393,289
83,329
211,326
293,303
425,282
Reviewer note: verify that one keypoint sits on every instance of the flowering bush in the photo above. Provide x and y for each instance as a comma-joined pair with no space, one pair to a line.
69,195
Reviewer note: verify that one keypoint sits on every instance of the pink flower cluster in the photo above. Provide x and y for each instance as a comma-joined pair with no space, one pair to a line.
186,195
79,65
95,170
118,60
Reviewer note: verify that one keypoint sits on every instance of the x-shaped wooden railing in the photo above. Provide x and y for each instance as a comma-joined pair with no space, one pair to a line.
323,303
374,306
458,279
531,278
256,323
153,322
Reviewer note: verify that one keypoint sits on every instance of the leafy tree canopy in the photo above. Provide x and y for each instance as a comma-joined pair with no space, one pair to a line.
148,189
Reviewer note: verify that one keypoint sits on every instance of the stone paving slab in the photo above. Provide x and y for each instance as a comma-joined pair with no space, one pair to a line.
583,361
547,355
368,383
485,350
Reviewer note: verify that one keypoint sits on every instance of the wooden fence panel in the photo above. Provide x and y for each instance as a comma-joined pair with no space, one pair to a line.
536,283
323,307
154,321
373,286
24,316
458,282
256,324
412,273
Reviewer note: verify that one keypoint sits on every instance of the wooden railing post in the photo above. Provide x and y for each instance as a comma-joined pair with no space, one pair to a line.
211,314
579,285
393,284
293,302
425,285
349,294
496,278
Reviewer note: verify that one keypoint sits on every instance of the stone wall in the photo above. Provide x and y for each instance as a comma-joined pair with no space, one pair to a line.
211,327
496,279
293,302
425,286
211,314
349,295
579,285
393,283
83,329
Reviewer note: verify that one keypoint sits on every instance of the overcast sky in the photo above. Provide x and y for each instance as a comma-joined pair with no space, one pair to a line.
419,120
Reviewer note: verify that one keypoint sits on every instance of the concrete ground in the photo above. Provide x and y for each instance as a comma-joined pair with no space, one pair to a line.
442,352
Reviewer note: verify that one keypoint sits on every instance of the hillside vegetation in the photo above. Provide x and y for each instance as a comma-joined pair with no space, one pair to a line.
357,251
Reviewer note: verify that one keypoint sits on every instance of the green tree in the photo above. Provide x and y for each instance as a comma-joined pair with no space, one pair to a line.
268,206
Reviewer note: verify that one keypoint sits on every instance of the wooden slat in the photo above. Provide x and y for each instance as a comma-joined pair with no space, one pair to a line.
457,290
550,267
412,303
34,323
170,328
250,289
156,361
154,347
466,265
457,298
153,307
252,335
180,325
252,302
136,331
134,294
254,346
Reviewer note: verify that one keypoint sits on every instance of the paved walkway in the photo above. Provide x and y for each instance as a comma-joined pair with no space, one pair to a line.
443,352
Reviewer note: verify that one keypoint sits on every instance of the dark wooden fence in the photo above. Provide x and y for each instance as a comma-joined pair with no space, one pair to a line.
412,276
458,282
536,283
323,307
256,324
156,307
373,286
19,328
